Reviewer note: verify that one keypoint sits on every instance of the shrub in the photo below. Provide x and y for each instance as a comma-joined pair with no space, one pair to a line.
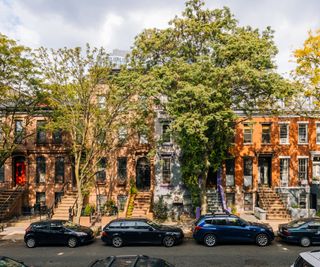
160,210
89,209
133,188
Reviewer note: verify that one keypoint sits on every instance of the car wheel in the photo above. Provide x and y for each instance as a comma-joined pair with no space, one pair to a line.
305,242
168,241
210,240
72,242
117,241
31,242
262,240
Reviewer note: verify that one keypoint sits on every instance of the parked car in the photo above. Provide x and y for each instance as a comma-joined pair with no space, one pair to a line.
305,231
128,231
8,262
131,261
57,232
213,228
308,259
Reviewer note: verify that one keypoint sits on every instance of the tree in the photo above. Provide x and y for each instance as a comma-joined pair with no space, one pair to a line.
91,103
19,92
208,67
308,67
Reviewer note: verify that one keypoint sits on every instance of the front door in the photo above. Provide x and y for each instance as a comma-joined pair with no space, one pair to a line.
19,171
264,165
143,174
212,178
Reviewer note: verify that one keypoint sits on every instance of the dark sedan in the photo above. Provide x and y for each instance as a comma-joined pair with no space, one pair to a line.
58,232
140,231
131,261
304,231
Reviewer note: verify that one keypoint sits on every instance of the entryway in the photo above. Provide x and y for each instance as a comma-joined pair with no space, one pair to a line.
143,174
264,166
19,170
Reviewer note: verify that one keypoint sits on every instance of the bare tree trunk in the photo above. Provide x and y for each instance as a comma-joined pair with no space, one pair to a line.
79,193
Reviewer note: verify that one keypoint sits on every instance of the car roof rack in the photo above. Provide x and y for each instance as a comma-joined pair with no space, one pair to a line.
225,213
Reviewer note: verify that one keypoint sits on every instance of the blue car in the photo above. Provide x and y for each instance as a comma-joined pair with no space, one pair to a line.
211,229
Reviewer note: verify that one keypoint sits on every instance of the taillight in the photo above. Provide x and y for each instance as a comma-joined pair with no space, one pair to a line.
197,228
285,232
28,229
104,233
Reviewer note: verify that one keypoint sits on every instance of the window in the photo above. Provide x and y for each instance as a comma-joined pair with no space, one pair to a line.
284,171
284,133
230,172
316,168
122,170
230,199
166,170
57,136
122,133
166,137
101,102
143,139
247,172
2,173
18,131
41,170
41,132
41,198
318,133
266,134
101,173
303,169
59,170
303,133
248,201
247,133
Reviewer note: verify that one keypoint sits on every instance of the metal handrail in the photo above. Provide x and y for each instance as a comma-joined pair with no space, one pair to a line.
17,189
55,201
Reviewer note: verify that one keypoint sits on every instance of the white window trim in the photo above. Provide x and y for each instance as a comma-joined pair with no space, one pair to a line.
307,132
303,157
284,157
284,122
288,133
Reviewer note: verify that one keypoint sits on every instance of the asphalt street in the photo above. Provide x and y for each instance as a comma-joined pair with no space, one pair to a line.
189,253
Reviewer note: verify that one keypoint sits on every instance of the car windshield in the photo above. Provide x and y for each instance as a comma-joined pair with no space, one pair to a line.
296,223
153,224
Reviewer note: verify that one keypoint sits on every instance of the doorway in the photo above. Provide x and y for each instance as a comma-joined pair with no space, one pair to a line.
212,178
264,166
19,171
143,174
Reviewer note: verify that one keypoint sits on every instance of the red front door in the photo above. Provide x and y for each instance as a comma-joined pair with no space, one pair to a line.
20,173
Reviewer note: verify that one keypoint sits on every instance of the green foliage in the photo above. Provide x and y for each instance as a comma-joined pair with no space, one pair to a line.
131,205
133,188
88,210
160,210
234,209
318,213
109,208
207,66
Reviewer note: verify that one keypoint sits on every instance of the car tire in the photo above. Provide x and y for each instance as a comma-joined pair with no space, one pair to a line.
72,242
31,242
117,241
262,240
168,241
210,240
305,241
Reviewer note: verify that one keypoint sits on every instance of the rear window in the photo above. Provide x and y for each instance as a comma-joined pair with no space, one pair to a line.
300,262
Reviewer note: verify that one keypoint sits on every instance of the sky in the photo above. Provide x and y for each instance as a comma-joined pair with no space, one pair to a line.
114,23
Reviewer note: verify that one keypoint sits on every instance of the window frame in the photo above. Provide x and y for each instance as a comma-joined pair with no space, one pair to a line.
283,171
165,135
304,172
122,171
317,133
266,135
287,133
2,173
230,176
300,142
101,174
41,175
41,134
18,133
166,172
247,126
249,174
58,170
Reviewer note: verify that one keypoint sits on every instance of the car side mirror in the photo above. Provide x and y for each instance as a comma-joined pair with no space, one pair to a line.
151,229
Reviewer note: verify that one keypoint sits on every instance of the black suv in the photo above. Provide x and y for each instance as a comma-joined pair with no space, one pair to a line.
142,231
211,229
57,232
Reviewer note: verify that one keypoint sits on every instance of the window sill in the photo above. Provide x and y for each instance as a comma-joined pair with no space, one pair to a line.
284,143
247,144
166,185
301,144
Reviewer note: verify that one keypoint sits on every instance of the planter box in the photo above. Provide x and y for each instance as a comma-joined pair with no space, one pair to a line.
297,213
260,213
